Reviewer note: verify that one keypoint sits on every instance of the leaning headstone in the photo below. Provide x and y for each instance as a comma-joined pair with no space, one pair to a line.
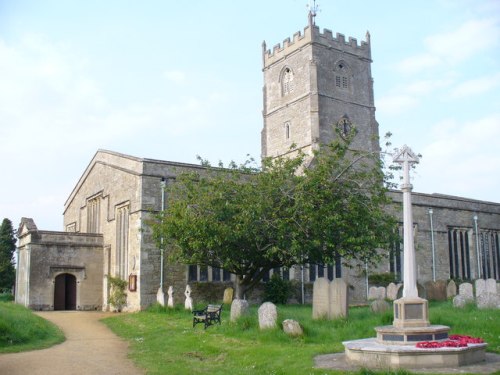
228,296
488,301
321,298
436,290
380,306
170,292
451,289
292,328
188,303
460,301
491,286
392,291
480,285
268,314
339,307
465,290
239,307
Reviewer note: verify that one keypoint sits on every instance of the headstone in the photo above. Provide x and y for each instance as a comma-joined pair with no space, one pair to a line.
465,291
376,292
339,307
268,314
451,289
488,301
239,307
420,290
436,290
292,328
228,296
170,292
380,306
188,303
372,293
491,286
460,301
392,291
321,298
480,285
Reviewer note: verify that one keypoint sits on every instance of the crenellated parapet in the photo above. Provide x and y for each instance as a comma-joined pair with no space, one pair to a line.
312,34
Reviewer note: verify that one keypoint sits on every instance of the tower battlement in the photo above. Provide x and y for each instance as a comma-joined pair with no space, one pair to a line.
312,34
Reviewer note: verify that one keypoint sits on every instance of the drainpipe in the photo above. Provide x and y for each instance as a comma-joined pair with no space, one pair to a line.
366,279
477,248
163,185
433,247
302,282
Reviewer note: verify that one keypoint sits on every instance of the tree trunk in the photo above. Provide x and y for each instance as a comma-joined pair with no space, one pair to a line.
239,289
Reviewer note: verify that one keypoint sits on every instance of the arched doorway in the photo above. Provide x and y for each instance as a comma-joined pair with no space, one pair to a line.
65,292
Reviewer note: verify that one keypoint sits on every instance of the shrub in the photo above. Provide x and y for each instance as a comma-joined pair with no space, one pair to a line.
277,290
381,279
117,296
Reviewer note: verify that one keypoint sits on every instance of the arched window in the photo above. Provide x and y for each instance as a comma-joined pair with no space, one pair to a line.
287,130
287,85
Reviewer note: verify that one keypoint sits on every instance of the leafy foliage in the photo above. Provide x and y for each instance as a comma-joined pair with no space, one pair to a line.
7,249
248,221
277,290
117,297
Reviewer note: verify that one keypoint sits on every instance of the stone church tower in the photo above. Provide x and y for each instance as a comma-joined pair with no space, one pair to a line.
317,87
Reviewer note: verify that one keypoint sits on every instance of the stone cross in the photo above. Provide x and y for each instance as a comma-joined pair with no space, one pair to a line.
407,157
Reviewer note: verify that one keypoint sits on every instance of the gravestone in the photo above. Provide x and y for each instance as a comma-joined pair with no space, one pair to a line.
239,307
338,299
292,328
480,285
321,298
376,292
228,296
170,292
451,289
436,290
188,303
268,314
380,306
491,286
420,290
488,301
465,291
372,293
392,291
460,301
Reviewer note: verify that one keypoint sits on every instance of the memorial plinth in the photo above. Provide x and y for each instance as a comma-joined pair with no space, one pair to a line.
395,345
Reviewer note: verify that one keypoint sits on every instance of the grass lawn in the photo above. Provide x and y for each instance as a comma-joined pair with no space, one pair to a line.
21,330
164,342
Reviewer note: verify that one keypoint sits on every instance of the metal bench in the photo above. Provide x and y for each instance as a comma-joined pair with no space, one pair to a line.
208,316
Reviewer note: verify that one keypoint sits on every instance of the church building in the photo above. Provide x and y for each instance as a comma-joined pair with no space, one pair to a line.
317,86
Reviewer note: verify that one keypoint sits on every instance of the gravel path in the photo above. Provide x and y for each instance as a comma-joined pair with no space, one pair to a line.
90,348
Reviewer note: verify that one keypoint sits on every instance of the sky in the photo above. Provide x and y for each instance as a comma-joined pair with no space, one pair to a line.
171,80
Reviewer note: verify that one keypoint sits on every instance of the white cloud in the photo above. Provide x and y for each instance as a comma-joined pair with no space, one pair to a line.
427,86
175,76
476,86
462,159
396,104
454,47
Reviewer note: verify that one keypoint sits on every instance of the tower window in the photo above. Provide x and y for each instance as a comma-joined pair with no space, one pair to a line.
341,75
287,85
287,130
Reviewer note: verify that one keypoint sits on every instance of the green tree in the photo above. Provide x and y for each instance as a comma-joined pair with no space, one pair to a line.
248,221
7,249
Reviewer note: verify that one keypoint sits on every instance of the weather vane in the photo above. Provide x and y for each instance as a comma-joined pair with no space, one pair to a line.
313,10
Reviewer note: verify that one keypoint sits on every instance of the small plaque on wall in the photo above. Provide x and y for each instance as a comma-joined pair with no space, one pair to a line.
132,283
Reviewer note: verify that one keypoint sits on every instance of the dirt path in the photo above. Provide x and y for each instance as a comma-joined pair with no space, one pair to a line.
90,348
